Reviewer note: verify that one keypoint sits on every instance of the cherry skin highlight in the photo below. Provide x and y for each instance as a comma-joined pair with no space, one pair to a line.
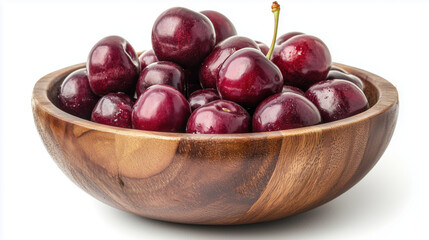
75,95
222,25
161,72
147,58
182,36
334,74
161,108
292,89
247,77
202,97
337,99
283,111
113,109
113,66
210,67
338,69
264,48
219,117
283,38
303,61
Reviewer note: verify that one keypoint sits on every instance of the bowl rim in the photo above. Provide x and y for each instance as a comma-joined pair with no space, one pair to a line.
386,92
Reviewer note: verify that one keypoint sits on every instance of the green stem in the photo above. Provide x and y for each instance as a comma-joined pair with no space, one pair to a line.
276,11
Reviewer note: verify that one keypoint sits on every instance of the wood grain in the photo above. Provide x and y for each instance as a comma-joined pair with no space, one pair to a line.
217,179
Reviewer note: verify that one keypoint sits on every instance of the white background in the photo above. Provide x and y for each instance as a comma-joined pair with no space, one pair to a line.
389,38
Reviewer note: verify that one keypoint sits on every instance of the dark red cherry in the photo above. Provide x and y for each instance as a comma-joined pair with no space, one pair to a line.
182,36
113,66
147,58
219,117
296,90
202,97
162,72
283,111
303,61
75,95
337,99
283,38
222,25
264,48
334,74
247,77
113,109
211,65
161,108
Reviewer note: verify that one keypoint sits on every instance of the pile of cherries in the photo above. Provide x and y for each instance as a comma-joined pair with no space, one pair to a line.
200,77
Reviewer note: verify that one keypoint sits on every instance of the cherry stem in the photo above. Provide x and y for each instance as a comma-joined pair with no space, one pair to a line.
275,8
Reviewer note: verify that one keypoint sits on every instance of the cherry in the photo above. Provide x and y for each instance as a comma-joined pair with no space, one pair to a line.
264,48
337,99
247,77
161,73
113,109
182,36
334,74
283,38
222,25
303,61
147,58
113,66
210,67
283,111
219,117
75,95
161,108
296,90
202,97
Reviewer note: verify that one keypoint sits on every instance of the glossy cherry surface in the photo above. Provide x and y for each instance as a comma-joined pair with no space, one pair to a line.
113,66
285,111
147,58
202,97
296,90
338,69
247,77
211,65
219,117
162,72
303,61
222,25
75,95
337,99
161,108
264,48
113,109
334,74
182,36
283,38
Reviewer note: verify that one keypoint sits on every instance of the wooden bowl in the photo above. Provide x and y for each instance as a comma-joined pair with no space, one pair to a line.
216,179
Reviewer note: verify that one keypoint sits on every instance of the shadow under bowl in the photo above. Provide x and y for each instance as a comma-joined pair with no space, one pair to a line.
217,179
